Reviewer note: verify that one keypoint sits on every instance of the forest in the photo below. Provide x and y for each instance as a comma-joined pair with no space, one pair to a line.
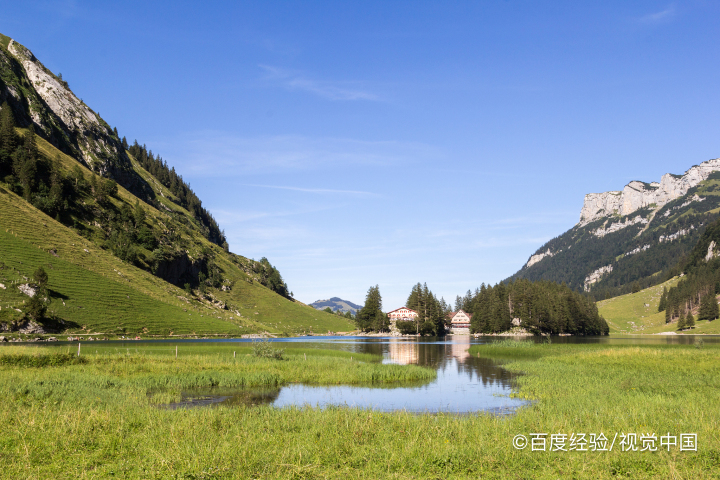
544,308
699,284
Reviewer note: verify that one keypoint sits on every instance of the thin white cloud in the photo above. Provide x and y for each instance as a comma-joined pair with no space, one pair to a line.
329,90
213,153
316,190
659,17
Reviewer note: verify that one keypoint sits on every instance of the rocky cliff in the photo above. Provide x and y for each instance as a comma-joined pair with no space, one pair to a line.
43,100
637,195
637,235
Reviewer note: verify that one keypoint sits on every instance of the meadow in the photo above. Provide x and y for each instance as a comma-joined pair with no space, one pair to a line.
97,417
93,291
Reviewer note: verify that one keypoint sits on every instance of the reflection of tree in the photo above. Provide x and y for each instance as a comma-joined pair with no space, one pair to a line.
253,396
440,354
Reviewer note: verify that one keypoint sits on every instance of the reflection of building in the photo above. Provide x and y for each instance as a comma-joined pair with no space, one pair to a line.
460,348
402,352
460,322
405,314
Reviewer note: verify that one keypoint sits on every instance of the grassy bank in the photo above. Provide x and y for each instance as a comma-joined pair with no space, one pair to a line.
638,313
95,420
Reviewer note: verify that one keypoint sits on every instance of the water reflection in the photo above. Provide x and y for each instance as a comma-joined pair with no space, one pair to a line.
464,383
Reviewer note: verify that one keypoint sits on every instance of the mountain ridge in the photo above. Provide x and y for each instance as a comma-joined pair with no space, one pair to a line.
335,304
631,239
108,226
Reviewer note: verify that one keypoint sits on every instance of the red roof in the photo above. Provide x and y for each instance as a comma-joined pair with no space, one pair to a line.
401,308
451,315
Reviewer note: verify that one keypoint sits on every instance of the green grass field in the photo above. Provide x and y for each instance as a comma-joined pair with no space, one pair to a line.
107,296
97,419
628,314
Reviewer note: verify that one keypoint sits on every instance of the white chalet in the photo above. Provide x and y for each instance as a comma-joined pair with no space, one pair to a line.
460,322
403,313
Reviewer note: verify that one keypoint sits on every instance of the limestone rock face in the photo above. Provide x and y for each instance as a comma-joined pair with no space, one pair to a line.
539,256
637,195
74,114
601,232
711,251
60,116
596,276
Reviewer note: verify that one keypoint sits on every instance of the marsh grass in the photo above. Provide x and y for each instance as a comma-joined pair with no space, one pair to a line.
100,422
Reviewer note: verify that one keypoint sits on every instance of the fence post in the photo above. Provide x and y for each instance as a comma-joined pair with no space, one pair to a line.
233,354
305,355
78,349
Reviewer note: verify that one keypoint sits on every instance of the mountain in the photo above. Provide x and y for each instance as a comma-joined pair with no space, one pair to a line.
337,304
126,244
631,239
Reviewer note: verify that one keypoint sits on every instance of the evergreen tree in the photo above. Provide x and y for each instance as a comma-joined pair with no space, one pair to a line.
714,309
371,316
36,306
8,138
681,321
663,300
41,278
689,320
708,307
139,214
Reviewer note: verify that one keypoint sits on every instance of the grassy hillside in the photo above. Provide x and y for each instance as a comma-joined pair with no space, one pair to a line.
629,314
92,290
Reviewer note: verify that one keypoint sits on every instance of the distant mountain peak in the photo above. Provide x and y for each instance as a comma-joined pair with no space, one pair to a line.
336,304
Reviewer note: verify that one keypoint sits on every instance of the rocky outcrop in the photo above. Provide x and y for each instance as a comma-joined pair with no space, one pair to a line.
177,267
601,232
637,195
28,326
711,251
596,276
693,199
27,289
539,256
673,236
638,250
62,118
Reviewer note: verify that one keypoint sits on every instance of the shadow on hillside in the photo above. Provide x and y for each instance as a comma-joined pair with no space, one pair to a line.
56,294
56,324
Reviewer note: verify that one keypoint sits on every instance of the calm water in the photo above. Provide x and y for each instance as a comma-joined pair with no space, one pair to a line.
464,383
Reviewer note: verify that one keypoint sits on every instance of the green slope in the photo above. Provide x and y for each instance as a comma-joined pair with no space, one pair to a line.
103,294
627,314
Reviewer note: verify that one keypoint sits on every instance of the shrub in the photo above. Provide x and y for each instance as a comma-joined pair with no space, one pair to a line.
406,327
263,349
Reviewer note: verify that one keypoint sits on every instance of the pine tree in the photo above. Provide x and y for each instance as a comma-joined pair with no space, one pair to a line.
689,320
681,321
663,300
41,277
714,309
8,137
371,316
708,307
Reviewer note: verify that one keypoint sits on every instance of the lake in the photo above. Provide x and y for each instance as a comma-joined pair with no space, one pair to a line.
464,384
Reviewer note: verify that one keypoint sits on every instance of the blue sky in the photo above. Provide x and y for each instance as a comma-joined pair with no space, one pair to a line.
390,143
